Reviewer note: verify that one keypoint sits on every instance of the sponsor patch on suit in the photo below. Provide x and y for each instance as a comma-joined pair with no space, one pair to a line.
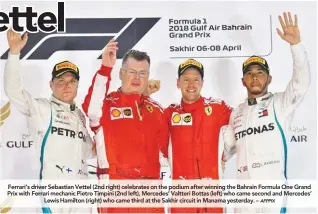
120,113
181,119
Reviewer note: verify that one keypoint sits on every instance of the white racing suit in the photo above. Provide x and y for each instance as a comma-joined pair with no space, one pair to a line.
60,134
256,131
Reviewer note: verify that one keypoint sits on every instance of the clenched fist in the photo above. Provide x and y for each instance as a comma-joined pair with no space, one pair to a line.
109,54
152,87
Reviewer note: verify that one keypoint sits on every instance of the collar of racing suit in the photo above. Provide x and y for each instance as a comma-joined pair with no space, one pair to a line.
190,107
59,102
131,99
254,101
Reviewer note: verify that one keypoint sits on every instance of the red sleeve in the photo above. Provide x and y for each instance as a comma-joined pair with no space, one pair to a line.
164,133
97,92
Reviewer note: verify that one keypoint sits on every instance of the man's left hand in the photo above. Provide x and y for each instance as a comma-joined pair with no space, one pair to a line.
152,87
290,29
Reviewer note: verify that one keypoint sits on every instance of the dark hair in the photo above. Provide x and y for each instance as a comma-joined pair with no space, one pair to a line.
137,55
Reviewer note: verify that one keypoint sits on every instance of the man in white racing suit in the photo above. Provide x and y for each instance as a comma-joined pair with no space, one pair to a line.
256,128
57,125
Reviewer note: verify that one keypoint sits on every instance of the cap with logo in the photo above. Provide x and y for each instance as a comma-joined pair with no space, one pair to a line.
190,63
64,67
255,60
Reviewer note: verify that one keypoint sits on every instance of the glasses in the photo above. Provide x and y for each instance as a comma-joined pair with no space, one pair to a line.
133,73
62,82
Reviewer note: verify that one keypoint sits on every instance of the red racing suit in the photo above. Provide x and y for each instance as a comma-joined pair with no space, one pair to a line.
194,135
128,130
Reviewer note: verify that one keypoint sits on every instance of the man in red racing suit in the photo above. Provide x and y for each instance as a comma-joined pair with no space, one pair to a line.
194,132
128,125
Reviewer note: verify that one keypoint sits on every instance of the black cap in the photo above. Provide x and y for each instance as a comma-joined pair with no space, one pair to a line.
190,63
64,67
255,60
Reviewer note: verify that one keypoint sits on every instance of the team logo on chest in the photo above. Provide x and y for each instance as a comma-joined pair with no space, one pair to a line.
181,119
208,110
149,108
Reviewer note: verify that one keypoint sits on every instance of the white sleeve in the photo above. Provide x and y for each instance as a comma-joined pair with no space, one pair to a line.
299,84
13,87
94,100
90,154
89,143
227,140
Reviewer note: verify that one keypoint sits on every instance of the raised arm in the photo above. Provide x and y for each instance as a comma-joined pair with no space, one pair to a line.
94,100
12,75
299,84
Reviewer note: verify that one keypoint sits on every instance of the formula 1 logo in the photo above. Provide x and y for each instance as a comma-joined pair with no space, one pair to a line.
74,34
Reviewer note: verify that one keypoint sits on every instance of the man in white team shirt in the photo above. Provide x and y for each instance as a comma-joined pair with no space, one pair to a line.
62,140
256,128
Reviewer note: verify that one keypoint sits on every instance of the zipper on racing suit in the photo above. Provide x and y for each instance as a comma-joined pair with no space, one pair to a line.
198,167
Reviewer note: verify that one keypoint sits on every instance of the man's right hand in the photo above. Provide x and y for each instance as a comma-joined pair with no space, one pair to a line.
109,54
16,43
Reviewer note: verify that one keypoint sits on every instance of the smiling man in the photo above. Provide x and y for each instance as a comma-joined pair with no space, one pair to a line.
194,126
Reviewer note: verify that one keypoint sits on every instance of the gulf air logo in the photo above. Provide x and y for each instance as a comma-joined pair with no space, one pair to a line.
6,205
4,113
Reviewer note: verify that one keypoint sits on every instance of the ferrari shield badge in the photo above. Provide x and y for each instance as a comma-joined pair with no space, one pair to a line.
208,110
